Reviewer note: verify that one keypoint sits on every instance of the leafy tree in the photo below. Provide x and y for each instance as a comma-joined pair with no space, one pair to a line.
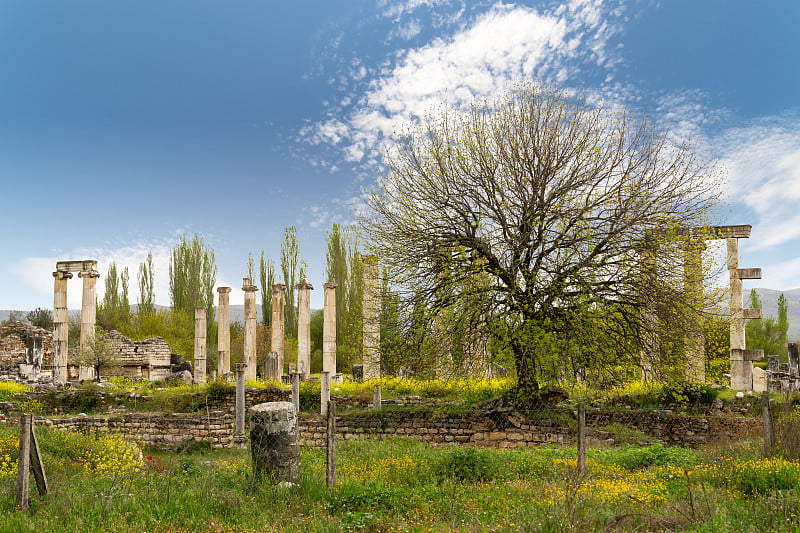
767,334
266,276
114,310
41,318
192,275
251,268
147,299
550,200
783,321
289,264
98,353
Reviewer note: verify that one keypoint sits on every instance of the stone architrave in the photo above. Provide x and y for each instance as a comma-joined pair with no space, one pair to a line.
273,441
304,289
278,303
88,315
372,319
224,333
249,328
199,345
60,327
695,362
329,329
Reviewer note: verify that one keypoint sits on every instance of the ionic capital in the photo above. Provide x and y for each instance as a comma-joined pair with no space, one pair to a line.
278,287
58,274
330,285
223,290
247,286
89,274
304,284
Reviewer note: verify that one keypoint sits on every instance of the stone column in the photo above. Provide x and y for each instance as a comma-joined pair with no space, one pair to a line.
695,362
88,314
60,327
249,328
278,302
741,370
329,330
324,391
224,333
199,345
241,368
304,289
372,319
273,441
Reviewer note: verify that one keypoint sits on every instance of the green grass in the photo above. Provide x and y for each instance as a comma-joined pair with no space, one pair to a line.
406,485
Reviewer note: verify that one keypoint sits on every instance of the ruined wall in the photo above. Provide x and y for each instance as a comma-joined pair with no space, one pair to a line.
12,343
147,359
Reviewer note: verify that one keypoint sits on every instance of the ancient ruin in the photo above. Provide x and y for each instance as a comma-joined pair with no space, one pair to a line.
224,333
87,270
278,304
304,289
372,319
249,328
329,329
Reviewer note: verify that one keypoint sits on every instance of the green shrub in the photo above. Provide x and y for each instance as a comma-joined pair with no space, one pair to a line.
655,455
467,464
685,393
357,498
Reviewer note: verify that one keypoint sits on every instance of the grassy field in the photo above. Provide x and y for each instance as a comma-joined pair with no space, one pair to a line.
104,484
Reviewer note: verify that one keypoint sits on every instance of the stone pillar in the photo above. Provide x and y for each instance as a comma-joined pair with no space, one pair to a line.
278,302
273,441
271,369
249,328
296,391
329,329
324,391
60,327
224,333
199,345
88,315
695,362
304,289
241,369
741,370
372,319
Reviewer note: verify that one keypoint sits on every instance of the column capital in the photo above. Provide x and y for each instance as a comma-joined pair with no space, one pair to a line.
278,287
247,286
240,367
223,290
89,274
304,284
58,274
330,285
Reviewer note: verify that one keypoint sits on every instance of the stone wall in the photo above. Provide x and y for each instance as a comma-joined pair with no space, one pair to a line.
12,343
147,359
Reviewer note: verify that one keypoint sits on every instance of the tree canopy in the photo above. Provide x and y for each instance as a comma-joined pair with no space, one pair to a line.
535,208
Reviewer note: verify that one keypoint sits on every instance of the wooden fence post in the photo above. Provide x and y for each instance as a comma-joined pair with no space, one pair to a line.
581,438
24,462
330,470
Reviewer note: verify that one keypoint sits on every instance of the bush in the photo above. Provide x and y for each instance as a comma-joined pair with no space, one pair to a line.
685,393
468,464
655,455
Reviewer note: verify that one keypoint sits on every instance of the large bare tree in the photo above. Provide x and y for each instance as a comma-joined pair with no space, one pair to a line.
545,200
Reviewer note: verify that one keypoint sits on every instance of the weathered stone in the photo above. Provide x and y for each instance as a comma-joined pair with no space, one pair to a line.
224,333
304,289
759,379
199,345
273,441
249,328
278,313
183,376
329,329
372,319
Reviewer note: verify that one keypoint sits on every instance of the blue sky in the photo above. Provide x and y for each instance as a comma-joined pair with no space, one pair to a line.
124,124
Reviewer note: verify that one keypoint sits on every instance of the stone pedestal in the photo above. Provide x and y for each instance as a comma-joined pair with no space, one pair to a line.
224,333
329,329
199,345
273,441
249,328
60,327
304,289
278,303
88,315
372,319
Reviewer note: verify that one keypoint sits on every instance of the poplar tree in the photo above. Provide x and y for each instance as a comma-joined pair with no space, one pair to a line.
289,264
114,310
147,305
266,275
192,275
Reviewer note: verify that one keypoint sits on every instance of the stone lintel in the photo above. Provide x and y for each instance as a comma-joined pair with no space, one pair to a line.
223,290
747,273
330,285
751,313
741,231
304,284
746,355
61,274
87,265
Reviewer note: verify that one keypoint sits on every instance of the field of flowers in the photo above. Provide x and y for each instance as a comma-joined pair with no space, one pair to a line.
100,483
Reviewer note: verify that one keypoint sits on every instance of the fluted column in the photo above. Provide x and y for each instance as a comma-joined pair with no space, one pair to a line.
249,328
224,333
304,289
278,303
372,319
329,329
199,345
88,314
60,327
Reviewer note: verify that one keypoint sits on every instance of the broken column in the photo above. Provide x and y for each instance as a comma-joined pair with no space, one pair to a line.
372,319
329,329
34,351
199,345
224,333
249,328
278,302
695,361
60,327
271,369
241,368
304,289
273,441
88,315
741,358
